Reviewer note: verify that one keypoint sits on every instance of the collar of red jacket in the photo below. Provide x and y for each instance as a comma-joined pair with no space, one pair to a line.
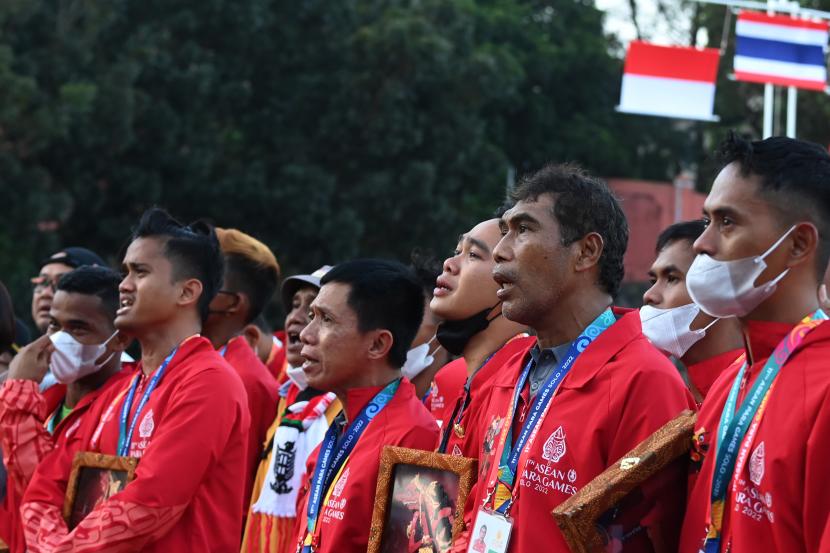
193,344
357,398
764,336
704,373
607,345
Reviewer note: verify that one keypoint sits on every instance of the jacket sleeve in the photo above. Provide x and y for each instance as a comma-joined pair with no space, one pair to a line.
24,438
166,479
816,508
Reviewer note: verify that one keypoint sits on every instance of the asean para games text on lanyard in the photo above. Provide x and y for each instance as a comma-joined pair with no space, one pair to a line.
733,426
511,453
329,461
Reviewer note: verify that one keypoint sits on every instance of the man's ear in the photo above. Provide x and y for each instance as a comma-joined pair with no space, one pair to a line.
381,343
252,335
191,291
805,243
588,251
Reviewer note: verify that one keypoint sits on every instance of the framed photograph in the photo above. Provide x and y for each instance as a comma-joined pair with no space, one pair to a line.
419,503
587,519
95,477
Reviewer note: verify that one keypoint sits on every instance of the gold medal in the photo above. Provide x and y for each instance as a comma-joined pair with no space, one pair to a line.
459,430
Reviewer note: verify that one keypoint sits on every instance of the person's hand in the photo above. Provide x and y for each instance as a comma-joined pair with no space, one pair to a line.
823,300
32,361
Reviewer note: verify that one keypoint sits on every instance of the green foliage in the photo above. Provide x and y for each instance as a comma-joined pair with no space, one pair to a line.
327,129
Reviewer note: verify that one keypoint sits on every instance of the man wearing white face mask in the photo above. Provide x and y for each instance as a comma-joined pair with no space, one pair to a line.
80,321
675,324
763,435
303,416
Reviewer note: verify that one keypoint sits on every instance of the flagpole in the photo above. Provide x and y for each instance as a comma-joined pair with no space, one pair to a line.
769,93
792,104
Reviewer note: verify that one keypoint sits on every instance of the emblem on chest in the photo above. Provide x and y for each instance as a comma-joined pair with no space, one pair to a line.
145,429
555,447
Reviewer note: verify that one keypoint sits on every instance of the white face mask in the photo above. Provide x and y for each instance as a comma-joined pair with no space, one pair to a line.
73,360
727,288
418,359
670,329
297,375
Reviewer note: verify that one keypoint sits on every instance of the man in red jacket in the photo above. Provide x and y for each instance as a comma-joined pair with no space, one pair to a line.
465,297
364,319
183,413
763,434
590,390
251,278
674,324
80,323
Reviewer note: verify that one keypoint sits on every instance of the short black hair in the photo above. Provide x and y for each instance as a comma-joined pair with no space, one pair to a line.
427,268
583,204
685,230
794,178
93,281
255,281
383,294
193,251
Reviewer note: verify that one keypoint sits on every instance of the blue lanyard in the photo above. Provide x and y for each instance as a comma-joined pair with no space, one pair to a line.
330,461
511,453
734,425
125,436
223,350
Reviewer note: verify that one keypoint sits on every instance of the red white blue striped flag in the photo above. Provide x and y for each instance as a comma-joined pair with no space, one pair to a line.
780,50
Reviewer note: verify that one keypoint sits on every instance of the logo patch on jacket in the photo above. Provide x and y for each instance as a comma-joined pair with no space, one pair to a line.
756,465
147,425
555,447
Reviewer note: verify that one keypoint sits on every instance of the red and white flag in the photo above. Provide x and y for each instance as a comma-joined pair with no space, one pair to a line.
669,81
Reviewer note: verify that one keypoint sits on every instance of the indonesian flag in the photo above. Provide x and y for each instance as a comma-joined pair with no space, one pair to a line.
669,81
780,50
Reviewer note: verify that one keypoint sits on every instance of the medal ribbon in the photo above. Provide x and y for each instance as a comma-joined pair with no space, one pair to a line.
333,455
734,425
511,452
125,436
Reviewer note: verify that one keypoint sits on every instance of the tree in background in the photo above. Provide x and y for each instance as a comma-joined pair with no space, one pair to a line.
327,129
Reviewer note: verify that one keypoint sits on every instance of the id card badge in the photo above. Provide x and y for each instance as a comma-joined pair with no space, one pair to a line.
491,533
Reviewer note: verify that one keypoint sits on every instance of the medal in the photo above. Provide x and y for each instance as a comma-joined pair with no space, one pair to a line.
459,430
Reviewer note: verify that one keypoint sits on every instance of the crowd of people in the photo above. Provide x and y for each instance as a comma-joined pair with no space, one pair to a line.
511,353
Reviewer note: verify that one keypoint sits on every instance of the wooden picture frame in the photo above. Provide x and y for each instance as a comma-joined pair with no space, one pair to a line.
94,478
435,482
578,517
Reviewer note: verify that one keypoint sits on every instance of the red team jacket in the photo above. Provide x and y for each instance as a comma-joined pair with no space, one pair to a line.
446,385
780,502
470,421
263,397
618,392
191,440
346,517
702,375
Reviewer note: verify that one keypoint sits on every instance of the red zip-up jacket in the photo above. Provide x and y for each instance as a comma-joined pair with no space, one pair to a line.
703,374
346,518
781,501
24,411
469,444
191,439
263,397
618,392
446,385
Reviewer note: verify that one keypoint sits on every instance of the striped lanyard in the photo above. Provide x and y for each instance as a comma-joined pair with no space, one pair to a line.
734,425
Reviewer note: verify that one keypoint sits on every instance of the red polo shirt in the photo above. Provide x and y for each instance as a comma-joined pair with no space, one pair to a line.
346,517
191,438
618,392
780,501
703,374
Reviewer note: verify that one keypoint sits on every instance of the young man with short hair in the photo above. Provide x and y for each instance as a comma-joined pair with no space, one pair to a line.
472,327
250,279
80,323
183,412
591,389
51,270
763,433
675,324
363,321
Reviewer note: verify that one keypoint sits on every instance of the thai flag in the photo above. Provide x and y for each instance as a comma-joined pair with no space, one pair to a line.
780,50
669,81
